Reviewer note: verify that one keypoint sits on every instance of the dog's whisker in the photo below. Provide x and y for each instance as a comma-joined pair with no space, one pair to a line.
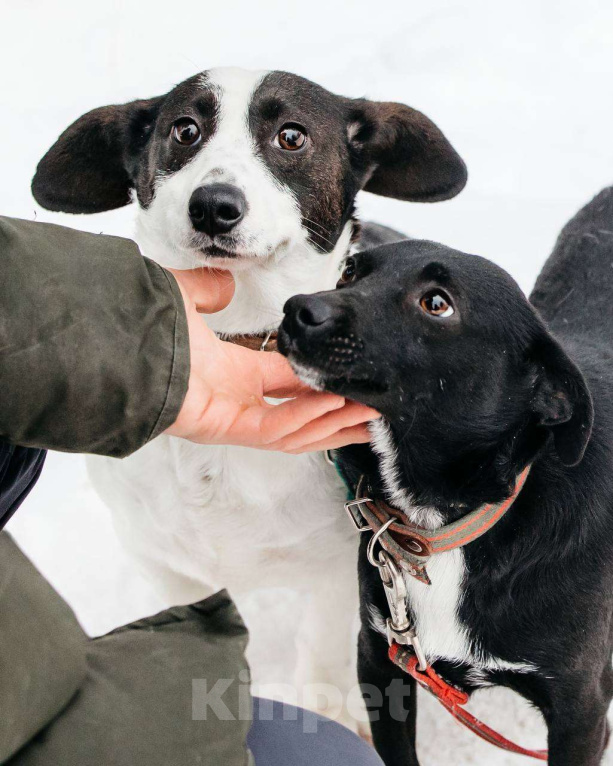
315,234
315,223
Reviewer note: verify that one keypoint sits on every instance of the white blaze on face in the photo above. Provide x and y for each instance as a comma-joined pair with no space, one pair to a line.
272,224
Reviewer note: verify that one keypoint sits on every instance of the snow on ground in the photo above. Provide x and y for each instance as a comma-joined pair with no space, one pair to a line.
522,89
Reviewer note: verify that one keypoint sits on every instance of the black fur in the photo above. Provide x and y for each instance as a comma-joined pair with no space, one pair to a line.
470,400
386,148
108,152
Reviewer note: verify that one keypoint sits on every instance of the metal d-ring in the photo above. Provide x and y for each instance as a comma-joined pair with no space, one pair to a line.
328,458
265,341
373,542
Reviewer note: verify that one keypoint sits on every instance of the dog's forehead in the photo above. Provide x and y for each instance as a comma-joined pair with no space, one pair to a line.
431,261
284,93
192,94
415,264
211,86
263,93
411,260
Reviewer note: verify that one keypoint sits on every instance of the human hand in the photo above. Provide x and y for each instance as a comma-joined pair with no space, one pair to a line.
225,399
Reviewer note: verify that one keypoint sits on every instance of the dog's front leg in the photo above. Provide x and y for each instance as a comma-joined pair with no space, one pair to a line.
391,701
578,742
577,719
578,738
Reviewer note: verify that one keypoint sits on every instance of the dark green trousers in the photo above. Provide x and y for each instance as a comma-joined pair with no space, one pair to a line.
125,699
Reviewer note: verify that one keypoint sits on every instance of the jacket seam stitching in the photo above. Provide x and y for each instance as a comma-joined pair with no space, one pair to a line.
173,364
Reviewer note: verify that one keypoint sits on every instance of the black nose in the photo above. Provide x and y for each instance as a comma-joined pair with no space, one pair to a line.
217,208
312,313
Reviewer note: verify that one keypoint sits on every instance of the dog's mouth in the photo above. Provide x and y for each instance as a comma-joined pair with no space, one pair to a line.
326,368
214,251
232,253
222,251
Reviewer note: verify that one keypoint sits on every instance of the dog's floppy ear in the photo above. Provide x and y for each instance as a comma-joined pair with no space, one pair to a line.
405,155
562,401
89,168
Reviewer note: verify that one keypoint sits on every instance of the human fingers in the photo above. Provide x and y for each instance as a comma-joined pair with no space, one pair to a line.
326,426
209,289
354,435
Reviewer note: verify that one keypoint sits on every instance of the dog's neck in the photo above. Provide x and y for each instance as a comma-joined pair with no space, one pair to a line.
263,289
435,483
263,286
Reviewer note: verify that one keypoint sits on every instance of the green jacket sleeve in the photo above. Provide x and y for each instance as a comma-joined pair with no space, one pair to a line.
94,353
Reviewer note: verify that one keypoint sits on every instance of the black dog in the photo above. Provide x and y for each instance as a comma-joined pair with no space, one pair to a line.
474,386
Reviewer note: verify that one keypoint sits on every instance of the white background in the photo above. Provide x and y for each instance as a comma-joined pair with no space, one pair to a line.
522,89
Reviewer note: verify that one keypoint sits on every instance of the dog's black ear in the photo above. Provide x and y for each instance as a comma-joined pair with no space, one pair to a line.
403,153
89,168
562,401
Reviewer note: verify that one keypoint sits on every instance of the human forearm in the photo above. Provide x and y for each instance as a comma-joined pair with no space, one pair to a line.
94,350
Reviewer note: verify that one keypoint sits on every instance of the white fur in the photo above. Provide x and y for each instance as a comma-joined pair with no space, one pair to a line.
435,607
307,375
199,518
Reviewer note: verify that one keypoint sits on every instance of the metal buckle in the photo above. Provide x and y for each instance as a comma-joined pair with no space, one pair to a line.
359,522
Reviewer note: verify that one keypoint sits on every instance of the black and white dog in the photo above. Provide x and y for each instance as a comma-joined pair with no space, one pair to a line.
475,385
255,172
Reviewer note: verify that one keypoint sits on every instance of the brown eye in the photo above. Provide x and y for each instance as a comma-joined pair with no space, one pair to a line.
349,272
291,137
185,132
437,303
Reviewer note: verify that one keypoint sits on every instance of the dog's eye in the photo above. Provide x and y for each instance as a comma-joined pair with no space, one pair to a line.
349,272
437,303
185,132
291,137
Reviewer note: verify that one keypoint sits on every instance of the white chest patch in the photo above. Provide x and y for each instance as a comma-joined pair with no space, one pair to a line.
435,607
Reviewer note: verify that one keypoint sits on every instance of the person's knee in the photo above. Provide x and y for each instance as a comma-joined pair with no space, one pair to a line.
282,734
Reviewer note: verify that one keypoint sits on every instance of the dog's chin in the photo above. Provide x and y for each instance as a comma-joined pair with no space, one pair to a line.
310,376
322,376
359,389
